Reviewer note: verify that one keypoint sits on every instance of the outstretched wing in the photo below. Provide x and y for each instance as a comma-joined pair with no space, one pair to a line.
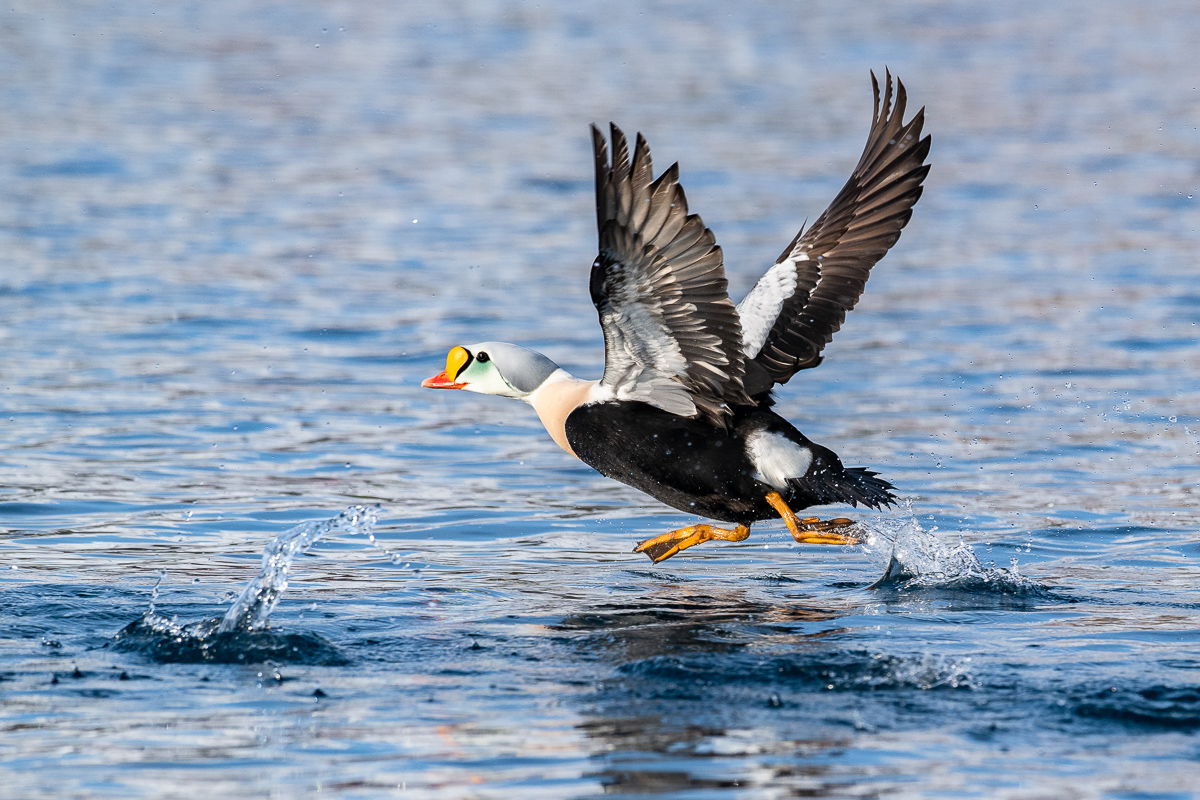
796,307
671,334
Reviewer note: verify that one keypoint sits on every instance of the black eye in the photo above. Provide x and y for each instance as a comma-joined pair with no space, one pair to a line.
482,358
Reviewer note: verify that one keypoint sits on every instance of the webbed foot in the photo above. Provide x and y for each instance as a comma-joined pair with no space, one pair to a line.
660,548
815,531
812,530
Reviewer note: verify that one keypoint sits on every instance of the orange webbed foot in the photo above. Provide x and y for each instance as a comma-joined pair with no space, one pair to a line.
660,548
812,530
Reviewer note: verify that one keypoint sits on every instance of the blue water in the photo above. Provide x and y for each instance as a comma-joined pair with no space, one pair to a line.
236,236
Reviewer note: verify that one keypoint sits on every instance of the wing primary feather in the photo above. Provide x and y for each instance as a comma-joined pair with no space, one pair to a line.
796,307
661,193
621,187
672,337
641,175
603,171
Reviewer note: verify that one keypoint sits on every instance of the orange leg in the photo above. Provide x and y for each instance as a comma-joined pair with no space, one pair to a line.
811,530
660,548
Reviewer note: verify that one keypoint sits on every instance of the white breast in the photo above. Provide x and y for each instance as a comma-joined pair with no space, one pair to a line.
777,458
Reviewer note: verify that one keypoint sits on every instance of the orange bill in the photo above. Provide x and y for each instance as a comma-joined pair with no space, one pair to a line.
456,359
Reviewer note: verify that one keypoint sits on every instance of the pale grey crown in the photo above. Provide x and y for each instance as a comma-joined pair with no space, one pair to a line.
524,369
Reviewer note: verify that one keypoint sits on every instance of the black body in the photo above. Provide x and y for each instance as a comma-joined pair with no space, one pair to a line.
704,469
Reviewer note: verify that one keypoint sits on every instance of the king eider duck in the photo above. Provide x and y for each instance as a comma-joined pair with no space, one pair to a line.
684,409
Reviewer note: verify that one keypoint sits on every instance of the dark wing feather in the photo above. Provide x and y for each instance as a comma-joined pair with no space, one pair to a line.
796,307
671,333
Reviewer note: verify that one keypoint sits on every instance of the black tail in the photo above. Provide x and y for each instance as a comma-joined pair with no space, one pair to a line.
864,486
829,482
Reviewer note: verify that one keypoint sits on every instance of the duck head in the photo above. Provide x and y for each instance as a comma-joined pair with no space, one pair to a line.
495,368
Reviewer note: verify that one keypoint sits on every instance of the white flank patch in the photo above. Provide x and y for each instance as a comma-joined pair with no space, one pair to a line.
777,458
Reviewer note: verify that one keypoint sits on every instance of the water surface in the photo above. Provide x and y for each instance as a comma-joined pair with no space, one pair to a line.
235,239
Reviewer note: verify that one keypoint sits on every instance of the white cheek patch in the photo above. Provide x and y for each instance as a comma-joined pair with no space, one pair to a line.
486,379
777,458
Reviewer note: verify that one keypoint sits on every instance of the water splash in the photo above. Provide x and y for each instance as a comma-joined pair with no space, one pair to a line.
916,558
252,609
169,642
162,576
242,636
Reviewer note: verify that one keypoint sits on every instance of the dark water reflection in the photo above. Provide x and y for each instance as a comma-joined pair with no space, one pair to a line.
236,237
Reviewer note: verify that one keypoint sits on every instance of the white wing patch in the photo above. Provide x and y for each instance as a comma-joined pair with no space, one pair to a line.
777,458
759,309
